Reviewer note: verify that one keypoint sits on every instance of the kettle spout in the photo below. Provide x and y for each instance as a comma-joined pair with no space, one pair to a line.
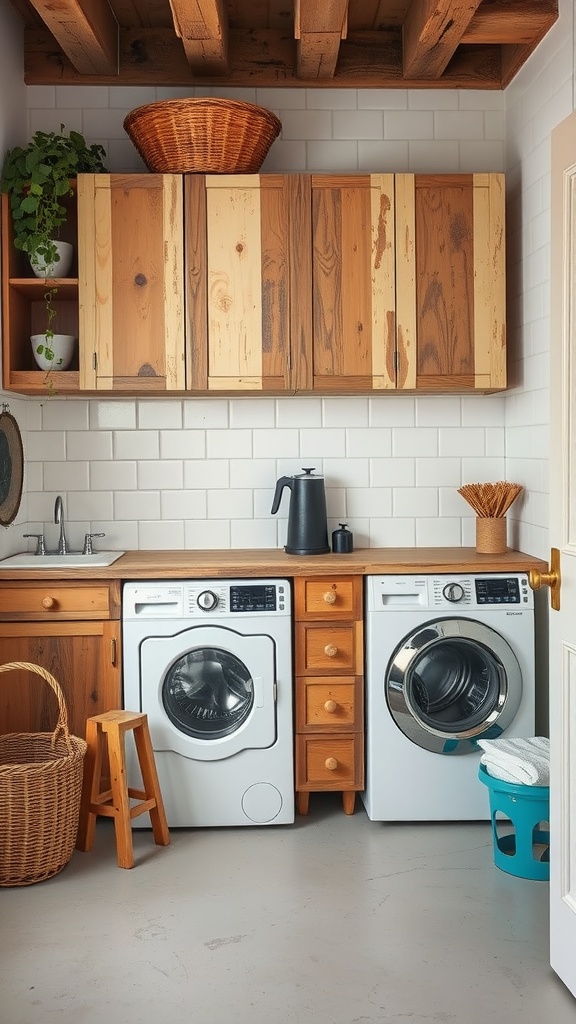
284,481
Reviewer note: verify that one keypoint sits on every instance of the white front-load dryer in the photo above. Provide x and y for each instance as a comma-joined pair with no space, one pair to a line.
449,660
210,663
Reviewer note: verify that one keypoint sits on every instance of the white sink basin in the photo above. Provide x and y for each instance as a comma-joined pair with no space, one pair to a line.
70,561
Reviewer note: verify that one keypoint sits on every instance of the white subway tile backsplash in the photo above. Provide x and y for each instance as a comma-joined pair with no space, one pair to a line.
385,157
337,501
64,476
63,415
383,99
117,415
116,475
306,124
137,505
483,470
206,473
180,504
432,99
357,124
236,503
392,533
161,536
396,472
431,413
252,412
351,472
46,445
332,157
165,474
409,124
298,412
256,533
204,413
370,442
212,534
329,443
182,444
415,441
436,533
252,473
461,441
434,156
136,444
160,415
369,501
439,472
392,411
228,444
279,443
345,411
89,444
412,501
83,506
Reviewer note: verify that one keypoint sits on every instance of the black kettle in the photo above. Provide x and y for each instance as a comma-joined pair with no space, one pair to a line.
307,522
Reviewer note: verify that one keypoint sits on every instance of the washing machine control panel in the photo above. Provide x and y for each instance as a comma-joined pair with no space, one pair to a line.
501,590
207,600
453,592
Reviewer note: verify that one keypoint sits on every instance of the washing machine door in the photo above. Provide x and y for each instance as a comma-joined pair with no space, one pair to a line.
209,692
451,682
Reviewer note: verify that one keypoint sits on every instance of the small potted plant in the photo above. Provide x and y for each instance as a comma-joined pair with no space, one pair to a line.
37,179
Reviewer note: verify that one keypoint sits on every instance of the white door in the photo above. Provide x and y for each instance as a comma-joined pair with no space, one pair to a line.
563,536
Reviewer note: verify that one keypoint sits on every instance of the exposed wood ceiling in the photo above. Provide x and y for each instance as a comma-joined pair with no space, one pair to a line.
417,44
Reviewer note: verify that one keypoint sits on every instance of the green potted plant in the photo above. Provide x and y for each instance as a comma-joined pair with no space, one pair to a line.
37,179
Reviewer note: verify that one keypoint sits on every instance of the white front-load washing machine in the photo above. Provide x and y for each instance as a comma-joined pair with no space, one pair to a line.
449,660
210,663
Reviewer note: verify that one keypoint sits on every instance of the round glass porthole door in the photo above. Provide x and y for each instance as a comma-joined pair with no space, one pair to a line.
451,682
208,693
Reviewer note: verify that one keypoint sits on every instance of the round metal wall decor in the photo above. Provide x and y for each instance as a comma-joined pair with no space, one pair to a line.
11,467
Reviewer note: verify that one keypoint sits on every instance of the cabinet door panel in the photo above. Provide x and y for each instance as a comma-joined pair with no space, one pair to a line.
353,282
84,658
243,324
131,282
450,282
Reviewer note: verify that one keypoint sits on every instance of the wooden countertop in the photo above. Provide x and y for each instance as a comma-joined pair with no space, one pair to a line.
273,562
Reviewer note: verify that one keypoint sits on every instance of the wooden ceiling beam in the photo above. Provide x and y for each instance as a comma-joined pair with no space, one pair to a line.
432,31
258,59
318,29
86,30
202,25
512,22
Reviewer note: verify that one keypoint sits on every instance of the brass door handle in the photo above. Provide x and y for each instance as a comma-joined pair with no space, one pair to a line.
550,578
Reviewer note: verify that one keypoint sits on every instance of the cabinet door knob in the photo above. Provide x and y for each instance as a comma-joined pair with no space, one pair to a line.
330,650
48,602
330,597
331,764
330,706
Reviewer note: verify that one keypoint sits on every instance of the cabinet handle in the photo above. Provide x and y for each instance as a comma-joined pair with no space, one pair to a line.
330,706
331,764
113,650
48,602
330,650
330,597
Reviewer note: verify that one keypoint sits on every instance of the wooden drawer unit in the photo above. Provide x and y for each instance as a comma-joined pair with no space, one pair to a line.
329,688
73,631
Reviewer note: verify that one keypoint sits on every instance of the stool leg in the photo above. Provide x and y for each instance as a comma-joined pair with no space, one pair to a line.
151,784
90,787
120,798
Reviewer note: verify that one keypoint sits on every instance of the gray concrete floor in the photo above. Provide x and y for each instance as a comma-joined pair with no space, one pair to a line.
335,920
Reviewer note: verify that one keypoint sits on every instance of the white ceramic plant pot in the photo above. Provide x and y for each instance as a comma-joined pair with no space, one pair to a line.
53,353
60,268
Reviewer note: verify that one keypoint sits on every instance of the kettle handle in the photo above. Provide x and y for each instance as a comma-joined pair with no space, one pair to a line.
284,481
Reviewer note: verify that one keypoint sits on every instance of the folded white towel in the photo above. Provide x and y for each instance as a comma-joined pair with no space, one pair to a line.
519,761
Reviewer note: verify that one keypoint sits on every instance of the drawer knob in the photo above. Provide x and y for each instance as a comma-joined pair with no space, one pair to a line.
331,764
330,650
330,706
48,602
330,597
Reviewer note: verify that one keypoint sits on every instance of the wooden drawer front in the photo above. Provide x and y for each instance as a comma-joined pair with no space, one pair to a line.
328,649
328,762
328,598
325,704
55,600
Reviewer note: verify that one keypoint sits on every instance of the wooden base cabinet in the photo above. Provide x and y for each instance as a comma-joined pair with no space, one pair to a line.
329,688
73,631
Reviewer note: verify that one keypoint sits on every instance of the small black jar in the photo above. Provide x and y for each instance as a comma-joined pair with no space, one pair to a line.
342,541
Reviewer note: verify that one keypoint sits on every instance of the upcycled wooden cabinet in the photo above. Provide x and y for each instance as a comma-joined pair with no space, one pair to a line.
407,284
329,656
73,631
131,286
273,284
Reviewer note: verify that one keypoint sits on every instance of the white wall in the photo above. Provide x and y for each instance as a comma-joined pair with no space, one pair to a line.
200,473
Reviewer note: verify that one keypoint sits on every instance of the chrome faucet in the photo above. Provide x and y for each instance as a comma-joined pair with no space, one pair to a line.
59,518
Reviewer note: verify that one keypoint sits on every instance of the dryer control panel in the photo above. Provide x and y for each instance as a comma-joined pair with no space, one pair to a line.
449,592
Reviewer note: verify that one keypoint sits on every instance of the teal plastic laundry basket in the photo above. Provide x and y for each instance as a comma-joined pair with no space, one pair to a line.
525,851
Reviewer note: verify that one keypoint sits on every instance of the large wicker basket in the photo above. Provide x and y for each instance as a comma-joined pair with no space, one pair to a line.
40,790
207,135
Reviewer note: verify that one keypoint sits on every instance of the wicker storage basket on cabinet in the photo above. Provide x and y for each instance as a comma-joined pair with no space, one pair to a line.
40,790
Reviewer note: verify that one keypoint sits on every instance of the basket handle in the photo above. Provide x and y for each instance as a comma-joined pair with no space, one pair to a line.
62,723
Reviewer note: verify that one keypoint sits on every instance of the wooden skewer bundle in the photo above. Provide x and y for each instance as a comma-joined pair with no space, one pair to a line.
490,501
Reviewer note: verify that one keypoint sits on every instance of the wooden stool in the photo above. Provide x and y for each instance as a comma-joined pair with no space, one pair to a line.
115,802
